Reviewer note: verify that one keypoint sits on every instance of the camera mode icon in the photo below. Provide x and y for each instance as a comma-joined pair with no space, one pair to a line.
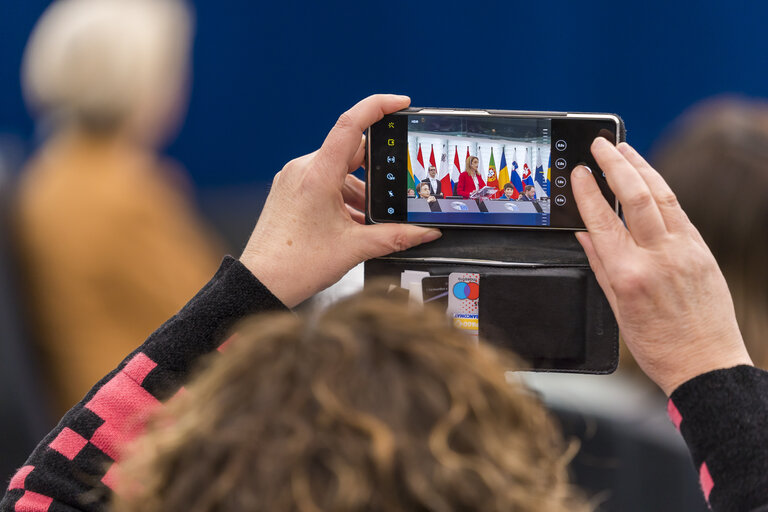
560,181
390,159
561,145
390,176
560,163
390,210
390,142
560,200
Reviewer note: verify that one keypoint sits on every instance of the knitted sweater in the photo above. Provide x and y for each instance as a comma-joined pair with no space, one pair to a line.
723,415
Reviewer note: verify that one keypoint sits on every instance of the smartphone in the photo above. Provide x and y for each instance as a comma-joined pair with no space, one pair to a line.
485,168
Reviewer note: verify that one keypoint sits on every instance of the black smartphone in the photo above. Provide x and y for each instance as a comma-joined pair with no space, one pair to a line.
488,168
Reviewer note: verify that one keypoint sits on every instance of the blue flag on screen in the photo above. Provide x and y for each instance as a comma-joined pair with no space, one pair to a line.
514,176
541,177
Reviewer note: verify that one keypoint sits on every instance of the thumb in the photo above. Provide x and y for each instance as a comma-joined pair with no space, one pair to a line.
382,239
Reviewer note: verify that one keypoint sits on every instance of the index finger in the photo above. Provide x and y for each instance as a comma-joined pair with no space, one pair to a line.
607,232
343,140
640,210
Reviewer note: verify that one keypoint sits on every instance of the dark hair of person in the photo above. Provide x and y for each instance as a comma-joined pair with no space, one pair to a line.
508,185
352,409
529,187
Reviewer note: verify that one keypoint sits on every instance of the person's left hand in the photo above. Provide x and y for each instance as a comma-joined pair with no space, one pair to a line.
311,230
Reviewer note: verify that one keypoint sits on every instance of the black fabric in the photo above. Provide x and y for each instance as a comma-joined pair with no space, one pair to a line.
725,424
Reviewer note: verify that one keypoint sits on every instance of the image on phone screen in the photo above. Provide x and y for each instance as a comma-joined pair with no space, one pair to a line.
481,170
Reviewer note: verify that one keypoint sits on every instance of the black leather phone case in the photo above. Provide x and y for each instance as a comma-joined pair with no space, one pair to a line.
538,296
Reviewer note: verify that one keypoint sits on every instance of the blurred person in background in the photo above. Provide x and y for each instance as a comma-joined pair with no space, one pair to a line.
108,236
715,158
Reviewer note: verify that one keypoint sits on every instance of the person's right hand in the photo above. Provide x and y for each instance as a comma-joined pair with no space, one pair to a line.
670,299
312,230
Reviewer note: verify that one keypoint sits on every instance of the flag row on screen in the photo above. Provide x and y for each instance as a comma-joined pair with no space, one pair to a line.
448,174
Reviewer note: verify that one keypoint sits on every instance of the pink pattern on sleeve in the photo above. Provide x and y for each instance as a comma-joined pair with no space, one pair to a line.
33,502
674,414
124,406
706,481
68,443
17,482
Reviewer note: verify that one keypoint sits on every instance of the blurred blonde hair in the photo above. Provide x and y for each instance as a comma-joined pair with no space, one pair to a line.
370,406
107,65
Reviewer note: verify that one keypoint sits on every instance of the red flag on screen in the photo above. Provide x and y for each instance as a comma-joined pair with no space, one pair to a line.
418,172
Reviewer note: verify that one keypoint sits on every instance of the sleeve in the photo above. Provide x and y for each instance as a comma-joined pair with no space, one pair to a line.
72,469
723,417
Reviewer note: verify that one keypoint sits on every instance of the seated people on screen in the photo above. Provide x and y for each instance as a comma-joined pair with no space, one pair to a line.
529,194
470,180
411,192
425,193
435,187
509,193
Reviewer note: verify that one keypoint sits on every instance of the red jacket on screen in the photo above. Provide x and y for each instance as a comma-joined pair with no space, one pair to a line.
466,186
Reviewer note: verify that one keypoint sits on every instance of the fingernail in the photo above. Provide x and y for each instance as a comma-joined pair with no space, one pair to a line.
582,171
431,236
623,147
599,141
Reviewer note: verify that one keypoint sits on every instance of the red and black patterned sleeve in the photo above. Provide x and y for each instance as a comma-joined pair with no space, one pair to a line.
723,417
73,468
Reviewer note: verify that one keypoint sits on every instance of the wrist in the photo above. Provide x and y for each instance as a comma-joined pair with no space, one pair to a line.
270,273
693,367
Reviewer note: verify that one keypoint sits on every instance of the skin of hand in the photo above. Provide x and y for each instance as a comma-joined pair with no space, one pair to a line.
670,299
312,230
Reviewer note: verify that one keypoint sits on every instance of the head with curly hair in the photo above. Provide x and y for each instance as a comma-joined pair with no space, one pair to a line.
367,406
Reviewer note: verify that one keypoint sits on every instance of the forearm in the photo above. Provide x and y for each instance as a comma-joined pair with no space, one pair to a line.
81,454
723,417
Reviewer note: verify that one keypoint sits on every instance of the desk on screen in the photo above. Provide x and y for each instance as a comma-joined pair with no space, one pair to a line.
467,211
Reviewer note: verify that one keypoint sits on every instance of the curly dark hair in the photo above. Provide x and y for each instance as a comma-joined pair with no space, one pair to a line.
352,409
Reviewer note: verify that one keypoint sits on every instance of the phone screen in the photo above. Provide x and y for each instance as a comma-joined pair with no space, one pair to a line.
492,170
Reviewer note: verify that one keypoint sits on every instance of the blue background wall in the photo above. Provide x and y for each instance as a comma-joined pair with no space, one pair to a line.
271,77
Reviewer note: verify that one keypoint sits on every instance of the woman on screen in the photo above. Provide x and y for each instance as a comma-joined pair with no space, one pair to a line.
471,180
